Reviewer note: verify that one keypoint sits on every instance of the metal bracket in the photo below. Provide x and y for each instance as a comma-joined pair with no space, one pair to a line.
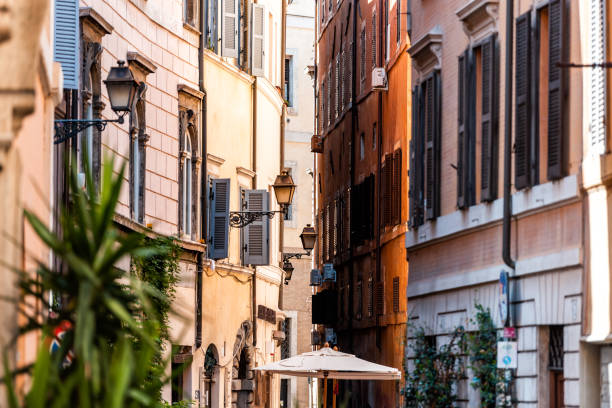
68,128
240,219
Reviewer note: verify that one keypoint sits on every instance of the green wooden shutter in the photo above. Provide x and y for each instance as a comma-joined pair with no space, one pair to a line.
488,177
219,219
256,234
522,128
66,41
556,145
258,43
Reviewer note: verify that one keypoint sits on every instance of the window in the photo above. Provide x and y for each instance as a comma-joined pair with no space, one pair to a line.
555,366
478,127
181,373
425,151
229,28
186,172
258,39
255,236
398,22
387,32
362,211
391,179
288,85
374,42
137,155
218,219
190,13
374,137
362,146
362,52
211,28
540,108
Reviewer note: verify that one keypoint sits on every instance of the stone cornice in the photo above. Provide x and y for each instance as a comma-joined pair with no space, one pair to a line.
215,159
479,18
141,63
95,20
192,92
245,172
426,52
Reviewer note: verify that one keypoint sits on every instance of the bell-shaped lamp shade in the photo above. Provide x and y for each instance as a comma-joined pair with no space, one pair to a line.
308,237
284,188
121,87
288,268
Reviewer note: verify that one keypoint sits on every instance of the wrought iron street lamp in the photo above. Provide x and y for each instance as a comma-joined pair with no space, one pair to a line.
288,268
121,87
308,237
284,188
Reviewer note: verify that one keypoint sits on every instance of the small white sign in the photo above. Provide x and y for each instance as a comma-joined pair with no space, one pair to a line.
507,354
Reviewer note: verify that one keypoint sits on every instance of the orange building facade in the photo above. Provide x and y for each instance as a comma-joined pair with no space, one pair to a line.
363,126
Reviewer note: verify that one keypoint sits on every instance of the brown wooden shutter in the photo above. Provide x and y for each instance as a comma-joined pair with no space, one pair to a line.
387,188
522,78
380,298
462,131
374,34
488,177
413,171
326,234
397,187
370,296
432,145
396,295
347,219
556,148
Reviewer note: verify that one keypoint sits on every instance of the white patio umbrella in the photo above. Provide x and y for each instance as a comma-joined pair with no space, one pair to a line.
331,364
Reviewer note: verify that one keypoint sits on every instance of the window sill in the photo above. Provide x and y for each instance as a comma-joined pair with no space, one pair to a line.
191,28
478,216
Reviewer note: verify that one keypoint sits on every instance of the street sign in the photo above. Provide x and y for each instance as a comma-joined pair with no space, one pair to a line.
509,333
507,354
503,297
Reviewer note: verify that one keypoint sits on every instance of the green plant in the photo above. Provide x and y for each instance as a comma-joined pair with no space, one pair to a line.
432,381
113,332
482,348
161,272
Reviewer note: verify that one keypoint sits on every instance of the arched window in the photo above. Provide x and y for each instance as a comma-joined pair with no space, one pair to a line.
188,174
187,170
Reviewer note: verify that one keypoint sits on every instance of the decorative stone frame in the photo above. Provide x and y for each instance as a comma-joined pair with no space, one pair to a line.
426,52
244,387
479,18
141,67
190,107
93,28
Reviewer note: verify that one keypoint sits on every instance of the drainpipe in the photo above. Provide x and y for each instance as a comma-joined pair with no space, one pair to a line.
281,232
203,184
379,128
507,231
354,118
254,186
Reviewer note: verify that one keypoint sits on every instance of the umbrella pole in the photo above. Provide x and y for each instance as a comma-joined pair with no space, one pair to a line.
334,392
325,390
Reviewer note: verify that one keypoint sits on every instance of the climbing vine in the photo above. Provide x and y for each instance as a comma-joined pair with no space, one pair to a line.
432,380
483,356
161,272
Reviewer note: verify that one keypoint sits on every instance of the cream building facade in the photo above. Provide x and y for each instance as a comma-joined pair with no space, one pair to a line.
204,138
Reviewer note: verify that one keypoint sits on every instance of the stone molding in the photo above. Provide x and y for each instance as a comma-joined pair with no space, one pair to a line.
427,51
479,18
92,19
190,92
143,65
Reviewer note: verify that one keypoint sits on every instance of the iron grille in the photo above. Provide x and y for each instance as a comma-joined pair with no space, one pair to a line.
555,348
285,345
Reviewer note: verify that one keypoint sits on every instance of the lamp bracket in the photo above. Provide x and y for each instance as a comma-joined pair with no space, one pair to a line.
289,255
240,219
68,128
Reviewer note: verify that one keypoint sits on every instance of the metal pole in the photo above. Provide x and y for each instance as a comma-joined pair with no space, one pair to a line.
325,390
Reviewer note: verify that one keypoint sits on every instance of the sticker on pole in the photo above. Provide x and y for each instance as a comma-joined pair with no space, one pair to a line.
507,354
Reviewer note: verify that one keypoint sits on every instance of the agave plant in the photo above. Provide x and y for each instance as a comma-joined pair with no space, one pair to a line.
111,332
